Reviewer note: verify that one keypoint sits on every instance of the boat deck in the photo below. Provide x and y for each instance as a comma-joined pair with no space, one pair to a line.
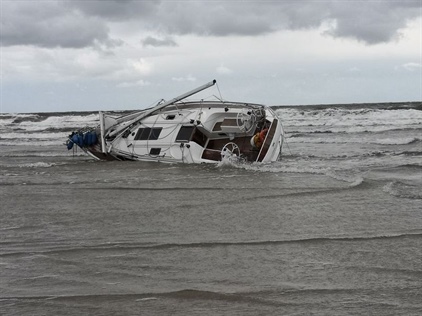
214,147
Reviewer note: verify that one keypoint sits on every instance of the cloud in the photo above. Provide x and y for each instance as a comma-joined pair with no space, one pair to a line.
115,10
412,66
354,69
80,24
142,66
223,70
47,24
155,42
139,83
371,22
183,79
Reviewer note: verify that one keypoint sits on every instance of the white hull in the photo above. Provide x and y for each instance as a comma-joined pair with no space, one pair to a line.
189,132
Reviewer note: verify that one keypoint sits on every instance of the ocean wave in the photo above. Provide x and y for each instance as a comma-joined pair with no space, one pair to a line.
409,153
33,143
354,180
350,120
211,244
293,134
283,168
403,190
39,117
349,117
344,156
28,118
342,167
402,141
44,154
58,129
302,138
415,105
414,167
317,129
12,117
38,122
182,294
62,123
33,135
39,164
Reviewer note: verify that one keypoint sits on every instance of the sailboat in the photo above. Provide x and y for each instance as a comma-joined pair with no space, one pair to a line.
181,131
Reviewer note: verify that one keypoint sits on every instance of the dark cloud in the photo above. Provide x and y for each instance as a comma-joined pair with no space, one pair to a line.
213,18
373,21
116,10
368,21
47,24
85,23
156,42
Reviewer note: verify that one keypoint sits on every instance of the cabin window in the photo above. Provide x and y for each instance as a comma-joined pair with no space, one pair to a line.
155,151
155,133
199,138
148,133
185,133
217,127
142,134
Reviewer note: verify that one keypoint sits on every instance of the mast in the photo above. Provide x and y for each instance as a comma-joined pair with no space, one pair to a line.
163,105
102,130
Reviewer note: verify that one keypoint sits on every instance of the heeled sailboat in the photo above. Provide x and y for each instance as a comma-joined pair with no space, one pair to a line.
186,131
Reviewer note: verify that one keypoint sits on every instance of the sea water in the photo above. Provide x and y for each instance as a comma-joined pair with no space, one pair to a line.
334,228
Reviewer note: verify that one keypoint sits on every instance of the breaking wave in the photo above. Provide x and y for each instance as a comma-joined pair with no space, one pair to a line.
212,244
39,164
403,190
302,138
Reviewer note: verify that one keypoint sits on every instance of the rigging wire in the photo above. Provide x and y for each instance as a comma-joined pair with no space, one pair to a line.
219,92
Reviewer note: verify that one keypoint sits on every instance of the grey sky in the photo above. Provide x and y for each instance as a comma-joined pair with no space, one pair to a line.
132,50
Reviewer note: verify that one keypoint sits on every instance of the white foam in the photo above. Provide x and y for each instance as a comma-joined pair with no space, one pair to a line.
145,299
400,141
65,153
350,121
352,179
26,135
39,164
403,190
356,140
67,121
58,142
284,167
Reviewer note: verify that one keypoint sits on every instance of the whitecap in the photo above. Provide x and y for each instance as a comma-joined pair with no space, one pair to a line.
145,299
403,190
350,120
39,164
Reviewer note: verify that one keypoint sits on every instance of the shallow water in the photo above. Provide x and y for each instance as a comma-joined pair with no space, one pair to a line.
335,228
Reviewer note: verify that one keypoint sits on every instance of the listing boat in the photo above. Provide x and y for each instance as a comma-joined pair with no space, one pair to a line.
186,131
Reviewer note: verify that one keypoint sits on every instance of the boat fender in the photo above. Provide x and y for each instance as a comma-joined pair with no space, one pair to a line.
80,140
75,139
94,138
253,141
258,139
86,139
263,134
91,138
69,145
